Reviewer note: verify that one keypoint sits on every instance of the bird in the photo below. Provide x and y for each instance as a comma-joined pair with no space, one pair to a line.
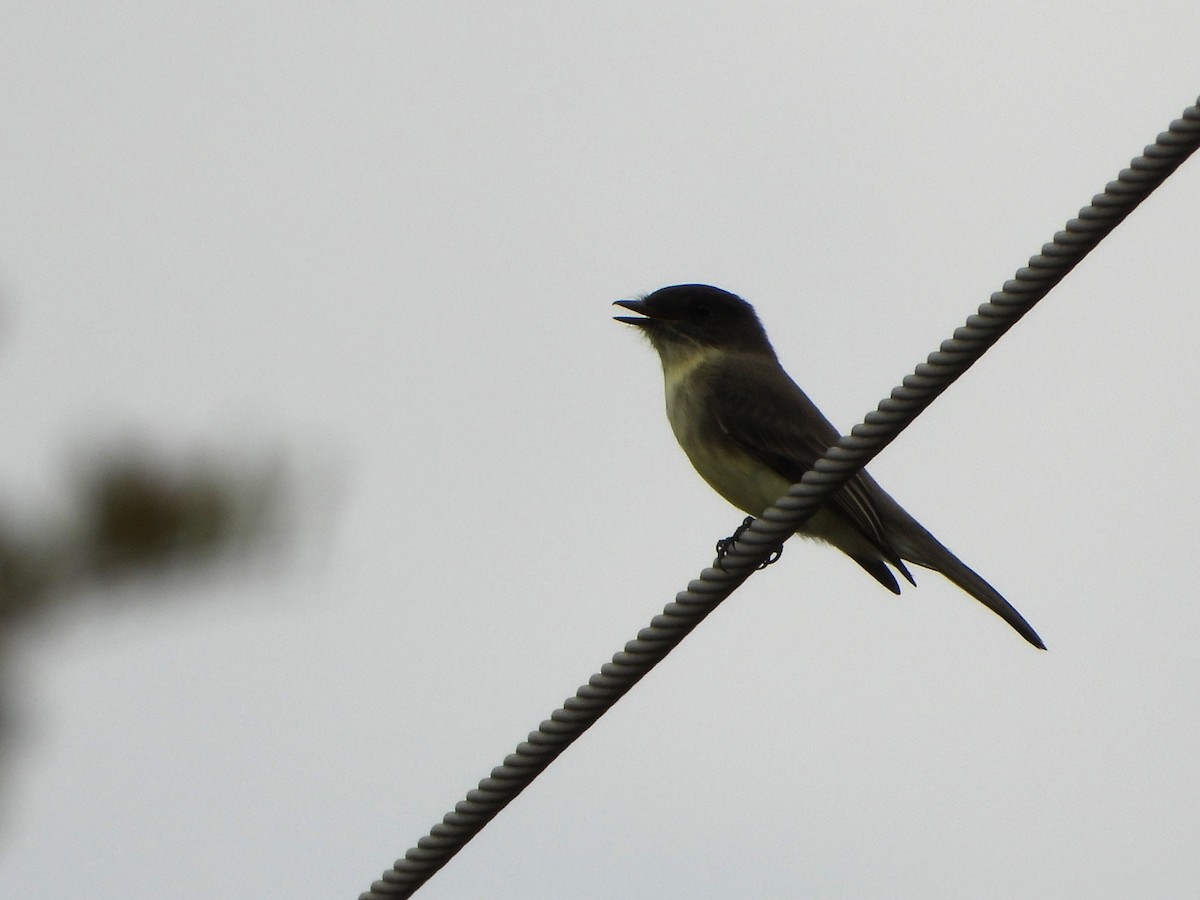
751,432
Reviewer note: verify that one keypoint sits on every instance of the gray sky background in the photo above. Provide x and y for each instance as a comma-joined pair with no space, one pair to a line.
385,237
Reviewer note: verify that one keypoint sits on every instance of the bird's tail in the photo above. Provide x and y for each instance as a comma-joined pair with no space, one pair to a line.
918,546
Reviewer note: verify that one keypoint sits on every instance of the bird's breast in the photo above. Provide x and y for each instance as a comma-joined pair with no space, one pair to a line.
742,479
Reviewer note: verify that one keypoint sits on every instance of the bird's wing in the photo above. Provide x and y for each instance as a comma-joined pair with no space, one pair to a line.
773,420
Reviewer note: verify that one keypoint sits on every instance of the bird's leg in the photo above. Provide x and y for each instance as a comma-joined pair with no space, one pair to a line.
724,544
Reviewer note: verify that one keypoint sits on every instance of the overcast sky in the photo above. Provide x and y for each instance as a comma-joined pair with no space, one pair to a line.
382,240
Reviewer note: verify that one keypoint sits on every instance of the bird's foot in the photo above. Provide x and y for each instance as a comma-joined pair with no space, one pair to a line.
724,545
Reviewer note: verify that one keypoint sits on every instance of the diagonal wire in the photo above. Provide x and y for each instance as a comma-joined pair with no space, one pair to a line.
828,475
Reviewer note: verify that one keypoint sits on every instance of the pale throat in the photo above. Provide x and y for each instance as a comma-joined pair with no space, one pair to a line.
679,364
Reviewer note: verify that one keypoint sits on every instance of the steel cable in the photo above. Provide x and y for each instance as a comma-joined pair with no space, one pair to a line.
765,534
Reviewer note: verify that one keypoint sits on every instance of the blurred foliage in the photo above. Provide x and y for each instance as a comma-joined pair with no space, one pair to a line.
133,515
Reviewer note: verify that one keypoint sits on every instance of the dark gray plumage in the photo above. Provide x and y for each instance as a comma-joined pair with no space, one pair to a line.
751,432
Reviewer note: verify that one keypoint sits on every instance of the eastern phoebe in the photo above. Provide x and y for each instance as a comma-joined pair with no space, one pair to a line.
751,433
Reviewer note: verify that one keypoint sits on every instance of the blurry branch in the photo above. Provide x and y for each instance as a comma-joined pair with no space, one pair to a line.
135,515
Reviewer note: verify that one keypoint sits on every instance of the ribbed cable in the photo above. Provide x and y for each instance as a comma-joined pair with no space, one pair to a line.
834,469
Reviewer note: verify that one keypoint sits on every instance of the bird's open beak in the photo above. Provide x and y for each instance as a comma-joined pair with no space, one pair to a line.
638,306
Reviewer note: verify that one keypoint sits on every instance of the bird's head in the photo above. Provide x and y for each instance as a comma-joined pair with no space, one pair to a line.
690,318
